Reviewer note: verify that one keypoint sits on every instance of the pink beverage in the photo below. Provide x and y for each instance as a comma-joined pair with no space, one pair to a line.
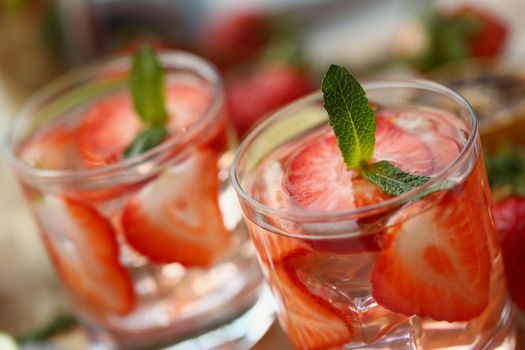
151,249
354,268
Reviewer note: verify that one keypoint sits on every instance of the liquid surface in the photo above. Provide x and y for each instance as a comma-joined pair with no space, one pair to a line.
310,173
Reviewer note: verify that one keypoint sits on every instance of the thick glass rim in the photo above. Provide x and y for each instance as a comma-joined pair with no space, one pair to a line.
368,85
169,58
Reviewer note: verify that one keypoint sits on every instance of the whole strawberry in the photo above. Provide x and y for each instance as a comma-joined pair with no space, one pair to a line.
506,171
490,34
235,39
254,93
509,215
467,31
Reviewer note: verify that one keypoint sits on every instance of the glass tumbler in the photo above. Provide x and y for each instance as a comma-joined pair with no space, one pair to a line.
422,270
151,249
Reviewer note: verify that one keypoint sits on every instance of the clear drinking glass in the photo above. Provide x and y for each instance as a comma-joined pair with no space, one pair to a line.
419,271
151,249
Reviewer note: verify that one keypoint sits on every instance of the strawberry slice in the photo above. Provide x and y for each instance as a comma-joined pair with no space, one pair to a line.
176,218
310,322
439,131
318,179
106,129
435,261
186,104
109,125
51,149
84,249
402,148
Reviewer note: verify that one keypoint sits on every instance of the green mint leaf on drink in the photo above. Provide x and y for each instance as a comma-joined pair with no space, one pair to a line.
391,180
350,115
146,140
354,123
146,84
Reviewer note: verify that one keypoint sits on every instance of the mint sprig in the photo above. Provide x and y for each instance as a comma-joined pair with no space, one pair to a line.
146,84
351,116
390,179
146,140
354,123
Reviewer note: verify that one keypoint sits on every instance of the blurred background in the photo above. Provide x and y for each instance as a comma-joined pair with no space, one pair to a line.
269,53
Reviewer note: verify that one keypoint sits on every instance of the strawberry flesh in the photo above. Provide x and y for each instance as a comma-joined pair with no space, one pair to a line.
109,125
435,261
51,149
106,130
402,148
318,179
84,249
176,218
310,321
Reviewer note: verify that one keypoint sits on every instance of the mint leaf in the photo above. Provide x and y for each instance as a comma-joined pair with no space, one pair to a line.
147,87
350,115
146,140
58,324
391,180
354,123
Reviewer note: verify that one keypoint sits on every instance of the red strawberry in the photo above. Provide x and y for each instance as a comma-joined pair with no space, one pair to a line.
84,249
438,131
318,179
272,246
235,39
107,129
310,322
509,215
254,94
491,35
435,261
51,149
109,125
402,147
176,218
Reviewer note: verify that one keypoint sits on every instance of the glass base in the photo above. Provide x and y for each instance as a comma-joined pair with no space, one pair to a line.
238,333
408,337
